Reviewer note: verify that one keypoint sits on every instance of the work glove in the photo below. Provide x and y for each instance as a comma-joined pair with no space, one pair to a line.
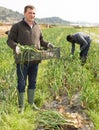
50,45
17,50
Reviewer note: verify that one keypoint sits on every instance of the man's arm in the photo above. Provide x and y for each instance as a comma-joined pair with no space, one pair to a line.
45,43
11,41
72,48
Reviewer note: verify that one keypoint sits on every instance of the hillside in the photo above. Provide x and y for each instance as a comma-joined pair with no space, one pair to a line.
10,16
53,20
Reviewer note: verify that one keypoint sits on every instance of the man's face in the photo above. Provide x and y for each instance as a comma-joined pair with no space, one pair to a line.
30,14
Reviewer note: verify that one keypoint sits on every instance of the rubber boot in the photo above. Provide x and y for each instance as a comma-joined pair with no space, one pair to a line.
30,94
21,102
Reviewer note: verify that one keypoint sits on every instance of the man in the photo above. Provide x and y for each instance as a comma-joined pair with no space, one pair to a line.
83,40
26,32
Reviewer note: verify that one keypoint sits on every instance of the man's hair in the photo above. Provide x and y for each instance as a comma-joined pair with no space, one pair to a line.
69,37
28,6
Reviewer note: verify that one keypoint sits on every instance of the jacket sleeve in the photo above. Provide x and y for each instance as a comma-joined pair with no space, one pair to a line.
12,37
43,42
73,48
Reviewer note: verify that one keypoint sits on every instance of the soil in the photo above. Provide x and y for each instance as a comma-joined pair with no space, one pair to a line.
74,111
3,29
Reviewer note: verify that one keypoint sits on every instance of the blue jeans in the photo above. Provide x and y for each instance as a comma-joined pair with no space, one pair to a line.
84,52
26,70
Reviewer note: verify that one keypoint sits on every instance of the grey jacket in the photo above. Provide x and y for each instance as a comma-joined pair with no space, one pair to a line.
82,39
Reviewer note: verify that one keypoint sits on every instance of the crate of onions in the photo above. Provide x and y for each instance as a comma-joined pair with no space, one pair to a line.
30,53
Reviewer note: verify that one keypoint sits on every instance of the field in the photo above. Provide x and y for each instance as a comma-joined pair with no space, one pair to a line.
67,93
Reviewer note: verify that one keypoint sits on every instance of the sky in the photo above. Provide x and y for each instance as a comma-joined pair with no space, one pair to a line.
70,10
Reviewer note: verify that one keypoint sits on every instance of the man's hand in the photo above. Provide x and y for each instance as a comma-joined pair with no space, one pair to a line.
50,45
17,50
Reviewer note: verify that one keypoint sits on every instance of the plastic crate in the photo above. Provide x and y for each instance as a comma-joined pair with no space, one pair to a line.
41,55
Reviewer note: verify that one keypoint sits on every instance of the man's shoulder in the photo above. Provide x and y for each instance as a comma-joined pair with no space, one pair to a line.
36,25
79,35
17,23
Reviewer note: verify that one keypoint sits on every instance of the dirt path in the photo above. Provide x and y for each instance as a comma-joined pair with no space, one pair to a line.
73,112
3,29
